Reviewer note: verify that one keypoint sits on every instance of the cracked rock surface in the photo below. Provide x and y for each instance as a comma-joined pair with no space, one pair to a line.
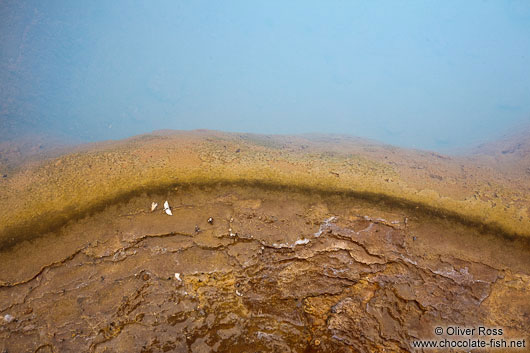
273,271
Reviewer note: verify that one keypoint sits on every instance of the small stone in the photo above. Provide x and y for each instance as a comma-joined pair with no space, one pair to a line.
8,318
177,276
197,229
317,342
210,220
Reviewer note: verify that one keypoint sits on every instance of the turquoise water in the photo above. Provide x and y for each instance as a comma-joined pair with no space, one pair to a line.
431,75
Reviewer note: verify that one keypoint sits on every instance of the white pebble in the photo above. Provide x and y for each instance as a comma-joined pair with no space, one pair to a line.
177,276
8,318
154,205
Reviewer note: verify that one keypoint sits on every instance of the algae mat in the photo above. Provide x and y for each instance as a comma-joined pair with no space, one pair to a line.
47,195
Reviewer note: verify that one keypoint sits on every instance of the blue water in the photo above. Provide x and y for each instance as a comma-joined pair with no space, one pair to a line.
426,74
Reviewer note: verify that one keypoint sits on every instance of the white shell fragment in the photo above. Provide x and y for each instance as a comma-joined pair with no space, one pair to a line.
177,276
167,209
154,205
8,318
301,241
238,293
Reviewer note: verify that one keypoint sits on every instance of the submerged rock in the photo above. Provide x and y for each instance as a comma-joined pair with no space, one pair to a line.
353,281
373,257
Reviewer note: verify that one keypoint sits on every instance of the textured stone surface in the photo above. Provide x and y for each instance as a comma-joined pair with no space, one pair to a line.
277,271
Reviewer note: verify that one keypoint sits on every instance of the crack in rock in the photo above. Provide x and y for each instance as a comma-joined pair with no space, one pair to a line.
347,283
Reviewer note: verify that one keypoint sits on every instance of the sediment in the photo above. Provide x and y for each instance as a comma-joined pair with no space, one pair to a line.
46,196
314,246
